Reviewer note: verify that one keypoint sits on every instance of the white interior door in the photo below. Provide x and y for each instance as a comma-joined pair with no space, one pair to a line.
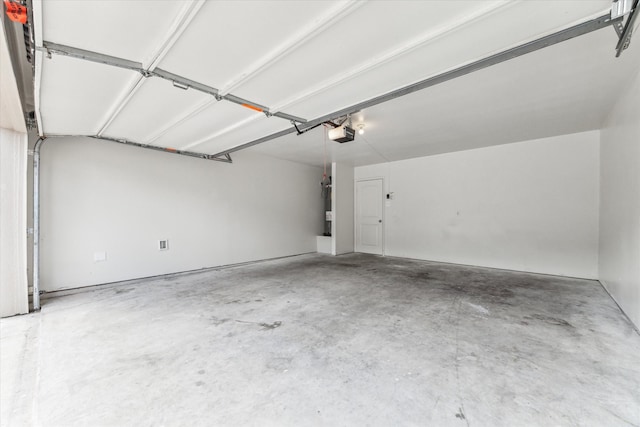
369,202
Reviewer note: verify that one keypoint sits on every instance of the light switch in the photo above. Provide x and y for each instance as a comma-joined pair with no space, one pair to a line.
99,256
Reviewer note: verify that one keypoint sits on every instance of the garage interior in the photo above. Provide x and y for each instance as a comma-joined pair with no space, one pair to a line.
320,212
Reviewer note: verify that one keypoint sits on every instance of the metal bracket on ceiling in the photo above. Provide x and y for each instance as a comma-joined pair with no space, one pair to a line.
624,45
620,8
289,117
30,120
204,156
222,157
295,125
625,33
177,80
180,85
183,82
619,28
91,56
340,120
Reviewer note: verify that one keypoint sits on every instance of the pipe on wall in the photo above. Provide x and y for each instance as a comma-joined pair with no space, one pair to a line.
36,223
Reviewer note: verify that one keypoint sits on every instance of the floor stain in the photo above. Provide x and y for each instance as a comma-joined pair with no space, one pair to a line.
265,326
239,301
550,320
215,321
421,276
270,326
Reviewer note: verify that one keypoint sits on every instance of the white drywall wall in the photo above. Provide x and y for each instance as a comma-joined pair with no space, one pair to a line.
99,197
529,206
13,223
342,208
620,202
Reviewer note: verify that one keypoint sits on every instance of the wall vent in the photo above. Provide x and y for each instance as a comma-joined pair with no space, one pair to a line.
163,245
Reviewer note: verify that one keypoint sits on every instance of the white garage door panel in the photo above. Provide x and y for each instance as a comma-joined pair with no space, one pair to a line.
122,28
76,94
374,28
250,131
227,37
202,125
156,103
436,55
305,58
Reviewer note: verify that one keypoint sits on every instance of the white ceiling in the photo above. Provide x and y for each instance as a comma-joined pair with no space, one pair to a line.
312,58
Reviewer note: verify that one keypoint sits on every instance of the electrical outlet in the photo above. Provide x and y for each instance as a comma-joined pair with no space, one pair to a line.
163,245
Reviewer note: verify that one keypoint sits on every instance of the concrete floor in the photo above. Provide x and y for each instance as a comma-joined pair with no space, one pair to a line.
320,340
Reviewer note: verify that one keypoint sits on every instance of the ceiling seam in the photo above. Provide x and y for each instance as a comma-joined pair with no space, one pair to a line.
375,150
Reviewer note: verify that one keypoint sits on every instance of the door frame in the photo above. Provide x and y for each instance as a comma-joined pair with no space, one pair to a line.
355,213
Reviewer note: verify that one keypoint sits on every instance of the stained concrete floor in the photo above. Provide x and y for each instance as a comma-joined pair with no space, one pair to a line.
320,340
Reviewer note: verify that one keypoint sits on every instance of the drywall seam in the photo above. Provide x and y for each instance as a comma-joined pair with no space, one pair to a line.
624,313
